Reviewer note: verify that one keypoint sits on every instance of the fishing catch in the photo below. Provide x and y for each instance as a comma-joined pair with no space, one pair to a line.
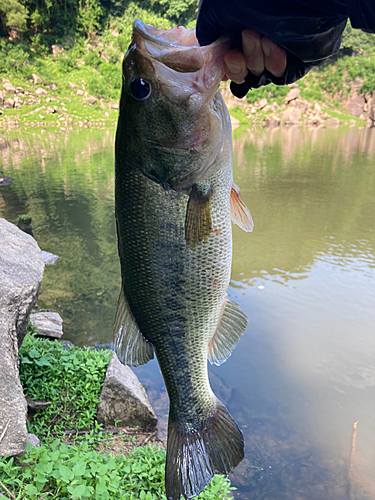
175,199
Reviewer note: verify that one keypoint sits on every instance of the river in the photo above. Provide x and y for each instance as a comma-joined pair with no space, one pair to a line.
304,370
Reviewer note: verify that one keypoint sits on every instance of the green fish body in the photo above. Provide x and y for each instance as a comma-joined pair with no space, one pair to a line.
174,201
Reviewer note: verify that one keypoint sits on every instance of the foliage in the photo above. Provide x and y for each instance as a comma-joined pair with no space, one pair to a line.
79,472
357,41
277,93
13,14
71,379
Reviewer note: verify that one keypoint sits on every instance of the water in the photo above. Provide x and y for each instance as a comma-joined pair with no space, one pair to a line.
304,371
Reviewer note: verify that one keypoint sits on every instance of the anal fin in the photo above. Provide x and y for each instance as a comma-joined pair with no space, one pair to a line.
198,215
239,212
131,347
232,325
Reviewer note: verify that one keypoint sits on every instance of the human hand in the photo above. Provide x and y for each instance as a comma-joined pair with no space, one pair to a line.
258,53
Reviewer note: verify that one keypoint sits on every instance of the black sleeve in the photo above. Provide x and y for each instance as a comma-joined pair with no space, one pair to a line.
362,14
308,31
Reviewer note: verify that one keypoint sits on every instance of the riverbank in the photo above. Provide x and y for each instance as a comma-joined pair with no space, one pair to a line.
77,458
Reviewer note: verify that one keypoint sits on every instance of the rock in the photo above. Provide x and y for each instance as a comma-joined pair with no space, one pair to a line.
293,93
356,105
17,105
66,344
21,270
292,116
19,90
48,324
333,123
41,91
235,123
33,440
262,103
317,108
1,98
80,92
49,258
36,79
5,181
113,105
9,88
56,49
124,398
272,122
73,85
53,86
9,103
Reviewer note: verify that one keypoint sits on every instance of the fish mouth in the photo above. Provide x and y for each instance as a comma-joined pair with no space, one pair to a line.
202,68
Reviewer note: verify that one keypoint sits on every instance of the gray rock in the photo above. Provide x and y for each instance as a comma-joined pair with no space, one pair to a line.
292,116
124,398
66,344
36,78
49,258
9,88
356,105
21,271
333,122
292,94
48,324
33,440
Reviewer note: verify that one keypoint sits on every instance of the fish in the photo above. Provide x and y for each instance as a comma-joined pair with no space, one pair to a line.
174,202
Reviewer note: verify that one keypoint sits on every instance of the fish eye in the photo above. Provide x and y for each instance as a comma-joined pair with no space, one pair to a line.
140,89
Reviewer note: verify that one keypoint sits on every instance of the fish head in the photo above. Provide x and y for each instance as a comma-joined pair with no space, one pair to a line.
169,116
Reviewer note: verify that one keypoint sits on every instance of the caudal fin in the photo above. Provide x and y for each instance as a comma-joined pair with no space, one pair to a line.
194,455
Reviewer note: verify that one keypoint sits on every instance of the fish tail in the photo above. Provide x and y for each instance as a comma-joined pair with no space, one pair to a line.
196,453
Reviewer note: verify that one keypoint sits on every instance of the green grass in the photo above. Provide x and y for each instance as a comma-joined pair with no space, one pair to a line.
71,379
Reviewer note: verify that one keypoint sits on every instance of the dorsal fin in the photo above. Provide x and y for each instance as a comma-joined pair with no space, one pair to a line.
198,215
232,324
239,212
131,347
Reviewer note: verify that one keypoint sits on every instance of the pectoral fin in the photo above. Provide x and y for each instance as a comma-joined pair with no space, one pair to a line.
198,215
131,347
239,212
233,323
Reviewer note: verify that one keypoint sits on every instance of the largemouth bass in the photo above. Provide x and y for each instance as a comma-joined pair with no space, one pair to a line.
175,198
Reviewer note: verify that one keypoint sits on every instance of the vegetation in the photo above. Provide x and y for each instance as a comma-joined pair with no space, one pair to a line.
71,379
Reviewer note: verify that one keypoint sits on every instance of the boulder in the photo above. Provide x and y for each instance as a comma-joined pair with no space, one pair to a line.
292,116
49,258
41,91
356,105
36,79
21,271
9,88
272,122
292,94
9,103
48,324
123,398
33,440
262,103
333,123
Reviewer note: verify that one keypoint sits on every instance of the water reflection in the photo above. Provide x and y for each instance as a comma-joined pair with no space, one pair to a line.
305,368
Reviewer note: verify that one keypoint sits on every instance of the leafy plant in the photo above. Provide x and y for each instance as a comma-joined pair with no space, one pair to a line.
80,472
70,379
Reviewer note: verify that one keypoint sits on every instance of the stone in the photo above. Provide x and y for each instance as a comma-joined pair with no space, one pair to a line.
333,123
49,258
53,86
356,105
36,79
19,90
66,344
41,91
293,93
272,122
80,92
21,271
9,88
9,103
48,324
123,398
56,49
262,103
73,85
33,440
292,116
1,98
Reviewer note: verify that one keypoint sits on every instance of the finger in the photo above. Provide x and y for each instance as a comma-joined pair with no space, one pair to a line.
235,66
274,57
253,52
